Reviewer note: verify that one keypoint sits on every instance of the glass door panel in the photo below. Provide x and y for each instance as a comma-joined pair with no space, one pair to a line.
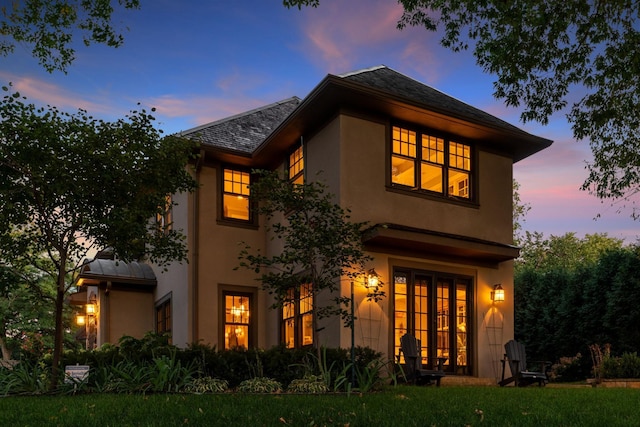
443,332
400,312
421,315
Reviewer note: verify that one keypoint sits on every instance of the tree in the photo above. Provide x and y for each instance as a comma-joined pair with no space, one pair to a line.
569,293
582,57
26,298
48,26
71,183
520,210
320,246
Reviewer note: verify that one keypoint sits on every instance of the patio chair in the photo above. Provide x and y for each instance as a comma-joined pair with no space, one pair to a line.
517,357
413,371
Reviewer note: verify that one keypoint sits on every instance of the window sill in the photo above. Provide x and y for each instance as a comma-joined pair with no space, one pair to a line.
251,225
433,196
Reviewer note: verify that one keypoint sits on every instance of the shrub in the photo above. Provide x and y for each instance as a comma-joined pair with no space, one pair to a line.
206,385
626,366
568,369
309,384
260,385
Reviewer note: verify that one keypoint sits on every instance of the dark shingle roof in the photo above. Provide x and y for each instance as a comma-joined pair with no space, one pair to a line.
261,137
399,85
246,131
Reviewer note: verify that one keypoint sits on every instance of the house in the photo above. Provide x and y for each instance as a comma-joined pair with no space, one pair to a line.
431,174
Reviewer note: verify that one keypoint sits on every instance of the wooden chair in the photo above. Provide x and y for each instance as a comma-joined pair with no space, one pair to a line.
410,348
517,357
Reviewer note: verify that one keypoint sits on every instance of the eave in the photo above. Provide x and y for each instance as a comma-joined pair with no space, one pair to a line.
416,242
335,93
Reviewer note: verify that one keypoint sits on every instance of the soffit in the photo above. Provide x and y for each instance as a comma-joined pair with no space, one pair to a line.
426,243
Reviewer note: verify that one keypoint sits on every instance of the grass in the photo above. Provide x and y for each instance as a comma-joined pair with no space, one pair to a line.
398,406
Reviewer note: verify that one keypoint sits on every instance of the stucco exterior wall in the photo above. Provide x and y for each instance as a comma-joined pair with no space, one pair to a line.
363,169
125,313
352,154
218,248
174,280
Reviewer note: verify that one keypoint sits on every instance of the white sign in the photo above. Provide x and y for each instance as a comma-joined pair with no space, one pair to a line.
76,373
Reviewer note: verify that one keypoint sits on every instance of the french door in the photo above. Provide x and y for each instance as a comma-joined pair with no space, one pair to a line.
436,309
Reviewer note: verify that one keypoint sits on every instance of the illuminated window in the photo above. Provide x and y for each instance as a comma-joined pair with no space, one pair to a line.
296,166
297,317
435,308
237,320
164,216
436,166
163,316
235,196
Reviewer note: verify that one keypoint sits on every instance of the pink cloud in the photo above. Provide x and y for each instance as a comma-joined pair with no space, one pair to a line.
201,110
338,33
40,91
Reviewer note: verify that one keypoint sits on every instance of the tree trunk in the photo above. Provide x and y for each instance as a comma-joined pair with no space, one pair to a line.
58,330
6,354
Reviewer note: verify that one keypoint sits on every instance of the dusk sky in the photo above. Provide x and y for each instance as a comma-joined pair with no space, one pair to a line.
199,61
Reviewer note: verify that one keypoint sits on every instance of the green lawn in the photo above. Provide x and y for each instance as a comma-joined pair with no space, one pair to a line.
398,406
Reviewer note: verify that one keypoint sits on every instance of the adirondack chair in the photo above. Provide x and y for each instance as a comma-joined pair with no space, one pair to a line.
410,348
517,357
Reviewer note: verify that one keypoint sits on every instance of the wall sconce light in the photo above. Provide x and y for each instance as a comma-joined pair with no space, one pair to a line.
91,309
81,319
497,295
373,279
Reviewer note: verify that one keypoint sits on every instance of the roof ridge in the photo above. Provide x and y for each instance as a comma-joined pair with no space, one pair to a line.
439,91
363,70
236,116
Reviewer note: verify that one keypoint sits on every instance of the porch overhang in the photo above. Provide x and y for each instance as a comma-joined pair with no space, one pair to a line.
423,243
119,274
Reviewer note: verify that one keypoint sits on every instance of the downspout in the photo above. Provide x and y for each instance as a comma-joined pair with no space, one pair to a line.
195,252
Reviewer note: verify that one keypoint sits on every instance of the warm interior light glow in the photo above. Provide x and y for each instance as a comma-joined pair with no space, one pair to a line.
81,319
497,295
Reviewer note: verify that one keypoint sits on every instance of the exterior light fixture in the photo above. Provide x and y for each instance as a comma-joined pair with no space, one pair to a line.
91,309
497,295
81,319
373,279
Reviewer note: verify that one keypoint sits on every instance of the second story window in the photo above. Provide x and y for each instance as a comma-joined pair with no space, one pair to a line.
296,166
164,216
235,195
428,163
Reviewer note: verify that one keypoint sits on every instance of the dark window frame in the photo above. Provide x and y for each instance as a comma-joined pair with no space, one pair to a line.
299,174
252,222
164,315
434,319
298,317
418,161
242,291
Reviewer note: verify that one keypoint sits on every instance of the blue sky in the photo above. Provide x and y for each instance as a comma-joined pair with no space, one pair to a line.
198,61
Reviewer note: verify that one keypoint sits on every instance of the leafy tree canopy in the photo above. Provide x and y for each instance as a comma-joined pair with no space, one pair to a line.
48,26
566,252
578,56
71,183
544,54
